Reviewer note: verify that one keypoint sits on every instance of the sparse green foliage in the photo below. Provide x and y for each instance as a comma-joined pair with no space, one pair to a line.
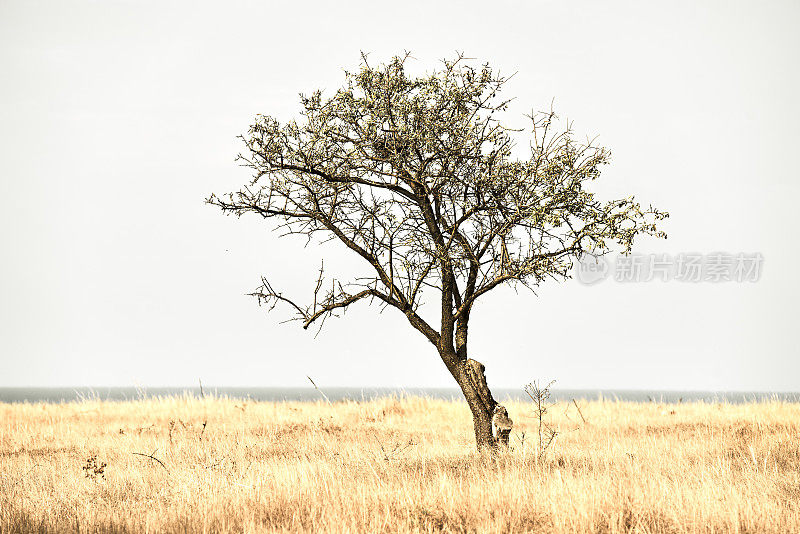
416,174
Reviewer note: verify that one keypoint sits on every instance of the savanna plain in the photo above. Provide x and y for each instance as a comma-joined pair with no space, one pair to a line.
187,464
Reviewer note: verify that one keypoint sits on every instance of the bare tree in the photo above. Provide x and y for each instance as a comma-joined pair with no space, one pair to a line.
416,176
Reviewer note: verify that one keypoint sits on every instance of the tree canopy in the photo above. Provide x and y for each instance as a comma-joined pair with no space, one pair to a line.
416,176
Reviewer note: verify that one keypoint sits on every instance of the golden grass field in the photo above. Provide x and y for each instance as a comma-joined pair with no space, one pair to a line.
395,465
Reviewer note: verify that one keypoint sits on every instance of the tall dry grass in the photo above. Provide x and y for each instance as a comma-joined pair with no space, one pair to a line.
395,465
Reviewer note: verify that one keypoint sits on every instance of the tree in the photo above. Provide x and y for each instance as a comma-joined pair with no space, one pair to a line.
416,176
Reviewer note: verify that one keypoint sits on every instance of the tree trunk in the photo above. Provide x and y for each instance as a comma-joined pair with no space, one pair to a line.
469,374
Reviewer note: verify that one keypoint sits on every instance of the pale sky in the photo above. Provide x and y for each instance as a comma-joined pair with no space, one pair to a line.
117,119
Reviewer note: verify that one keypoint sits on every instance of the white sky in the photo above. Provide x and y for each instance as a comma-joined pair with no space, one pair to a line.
118,118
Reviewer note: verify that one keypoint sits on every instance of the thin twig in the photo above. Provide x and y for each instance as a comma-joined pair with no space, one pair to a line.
317,388
152,457
579,412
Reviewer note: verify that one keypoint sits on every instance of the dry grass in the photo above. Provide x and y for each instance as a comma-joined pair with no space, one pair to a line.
395,465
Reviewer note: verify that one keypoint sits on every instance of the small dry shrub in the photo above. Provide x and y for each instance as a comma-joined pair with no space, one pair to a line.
94,468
